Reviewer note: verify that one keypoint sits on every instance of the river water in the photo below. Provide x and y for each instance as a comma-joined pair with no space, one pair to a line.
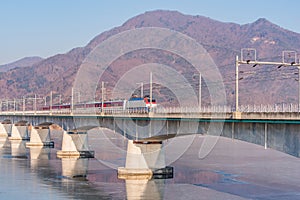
233,170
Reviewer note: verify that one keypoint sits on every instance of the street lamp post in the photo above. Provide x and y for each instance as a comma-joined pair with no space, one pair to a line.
24,108
34,103
72,100
142,89
237,84
298,88
151,91
102,97
51,102
199,90
14,105
45,100
200,95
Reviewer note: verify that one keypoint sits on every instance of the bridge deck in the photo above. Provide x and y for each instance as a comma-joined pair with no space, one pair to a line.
277,117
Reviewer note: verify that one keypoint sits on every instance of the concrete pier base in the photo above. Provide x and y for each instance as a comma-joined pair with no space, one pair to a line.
40,136
35,139
68,154
144,160
5,128
141,174
74,145
19,131
134,174
68,147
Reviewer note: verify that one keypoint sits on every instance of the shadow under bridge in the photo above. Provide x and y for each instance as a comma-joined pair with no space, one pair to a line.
145,128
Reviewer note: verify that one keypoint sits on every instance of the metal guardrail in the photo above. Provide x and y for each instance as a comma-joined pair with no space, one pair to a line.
205,109
277,108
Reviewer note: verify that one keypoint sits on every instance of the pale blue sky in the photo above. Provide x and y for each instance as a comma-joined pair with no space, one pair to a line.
47,27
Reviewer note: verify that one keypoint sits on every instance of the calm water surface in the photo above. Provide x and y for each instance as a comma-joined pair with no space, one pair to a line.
233,170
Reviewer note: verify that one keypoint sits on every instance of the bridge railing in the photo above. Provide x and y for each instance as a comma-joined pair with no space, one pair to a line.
270,108
204,109
276,108
112,110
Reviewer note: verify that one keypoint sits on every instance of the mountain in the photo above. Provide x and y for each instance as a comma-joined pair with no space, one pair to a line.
24,62
223,41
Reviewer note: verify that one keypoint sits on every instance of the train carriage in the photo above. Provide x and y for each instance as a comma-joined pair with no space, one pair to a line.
134,104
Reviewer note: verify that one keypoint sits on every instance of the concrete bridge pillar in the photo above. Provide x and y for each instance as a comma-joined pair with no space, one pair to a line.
75,144
5,128
68,147
19,131
144,159
40,136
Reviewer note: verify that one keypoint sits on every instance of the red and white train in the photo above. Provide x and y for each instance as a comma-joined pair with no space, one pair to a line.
133,104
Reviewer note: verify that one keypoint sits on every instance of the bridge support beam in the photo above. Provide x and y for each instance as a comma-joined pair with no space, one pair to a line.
40,136
19,131
144,160
75,144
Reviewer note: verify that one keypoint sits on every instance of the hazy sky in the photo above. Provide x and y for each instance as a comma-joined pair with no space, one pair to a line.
48,27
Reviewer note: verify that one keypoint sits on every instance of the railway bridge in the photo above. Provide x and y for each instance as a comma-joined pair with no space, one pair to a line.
146,131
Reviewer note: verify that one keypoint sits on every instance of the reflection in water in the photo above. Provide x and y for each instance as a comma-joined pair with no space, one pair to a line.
66,177
39,152
234,170
38,156
4,142
18,149
74,167
145,189
197,177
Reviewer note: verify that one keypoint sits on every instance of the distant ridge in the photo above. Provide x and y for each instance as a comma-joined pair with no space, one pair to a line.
24,62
